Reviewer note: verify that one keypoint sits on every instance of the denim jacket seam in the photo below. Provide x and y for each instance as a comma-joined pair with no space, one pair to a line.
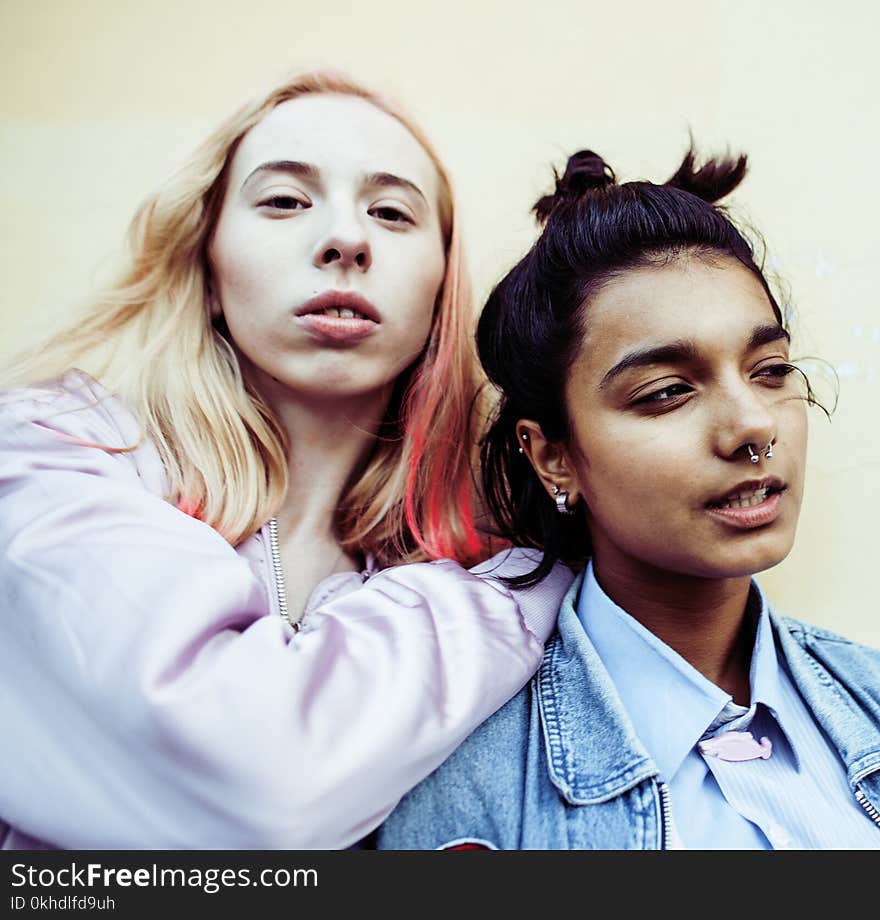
820,672
620,783
550,717
805,633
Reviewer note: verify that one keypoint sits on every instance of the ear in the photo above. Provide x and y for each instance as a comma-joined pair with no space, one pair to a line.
550,460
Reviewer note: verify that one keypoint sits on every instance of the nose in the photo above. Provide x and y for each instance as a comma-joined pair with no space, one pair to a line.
745,424
344,243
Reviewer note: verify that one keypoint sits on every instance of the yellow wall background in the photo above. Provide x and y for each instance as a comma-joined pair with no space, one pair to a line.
101,99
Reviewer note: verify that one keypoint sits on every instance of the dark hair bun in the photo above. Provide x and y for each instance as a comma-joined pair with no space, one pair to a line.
716,178
584,172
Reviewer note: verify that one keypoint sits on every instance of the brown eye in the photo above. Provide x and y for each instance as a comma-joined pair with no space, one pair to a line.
392,215
775,374
665,394
284,203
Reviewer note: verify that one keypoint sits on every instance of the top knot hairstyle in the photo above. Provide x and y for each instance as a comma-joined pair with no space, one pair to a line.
584,171
531,328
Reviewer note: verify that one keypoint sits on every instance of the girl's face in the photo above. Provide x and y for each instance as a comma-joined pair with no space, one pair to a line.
682,368
328,253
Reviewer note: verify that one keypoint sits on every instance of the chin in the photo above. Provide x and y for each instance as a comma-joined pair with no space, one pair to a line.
753,560
745,556
334,380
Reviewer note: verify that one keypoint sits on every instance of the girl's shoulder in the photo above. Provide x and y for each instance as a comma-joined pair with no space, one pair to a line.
73,400
833,656
810,635
72,412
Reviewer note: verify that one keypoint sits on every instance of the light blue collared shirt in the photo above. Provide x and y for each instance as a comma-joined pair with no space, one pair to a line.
798,798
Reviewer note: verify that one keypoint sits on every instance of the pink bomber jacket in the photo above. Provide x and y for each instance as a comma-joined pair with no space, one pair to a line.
152,697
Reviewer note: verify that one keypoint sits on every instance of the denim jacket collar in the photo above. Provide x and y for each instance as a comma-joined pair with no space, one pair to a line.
592,748
852,730
593,751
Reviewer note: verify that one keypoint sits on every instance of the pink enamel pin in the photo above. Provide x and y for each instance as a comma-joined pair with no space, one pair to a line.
736,746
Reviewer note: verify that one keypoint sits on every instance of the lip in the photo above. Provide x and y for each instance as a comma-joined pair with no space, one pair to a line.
344,299
748,518
773,483
338,330
755,515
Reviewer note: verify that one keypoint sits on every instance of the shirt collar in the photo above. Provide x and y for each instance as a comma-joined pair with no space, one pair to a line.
671,704
766,674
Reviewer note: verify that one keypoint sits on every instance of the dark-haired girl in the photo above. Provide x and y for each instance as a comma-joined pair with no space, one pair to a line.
651,432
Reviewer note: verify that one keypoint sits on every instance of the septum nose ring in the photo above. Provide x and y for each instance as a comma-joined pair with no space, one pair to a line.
755,457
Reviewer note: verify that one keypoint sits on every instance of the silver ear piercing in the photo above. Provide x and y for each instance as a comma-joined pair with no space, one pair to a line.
561,500
525,437
755,457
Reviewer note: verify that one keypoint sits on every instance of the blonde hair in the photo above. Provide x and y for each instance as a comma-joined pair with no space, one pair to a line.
151,341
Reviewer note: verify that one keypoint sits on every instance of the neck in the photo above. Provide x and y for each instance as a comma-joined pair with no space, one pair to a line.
330,439
703,619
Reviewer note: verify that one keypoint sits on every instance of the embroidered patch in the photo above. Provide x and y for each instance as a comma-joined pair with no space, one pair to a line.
468,843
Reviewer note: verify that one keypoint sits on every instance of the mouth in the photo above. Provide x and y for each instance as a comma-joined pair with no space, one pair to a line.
750,504
748,494
340,305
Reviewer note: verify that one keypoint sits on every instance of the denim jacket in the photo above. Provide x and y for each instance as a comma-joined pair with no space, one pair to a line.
560,766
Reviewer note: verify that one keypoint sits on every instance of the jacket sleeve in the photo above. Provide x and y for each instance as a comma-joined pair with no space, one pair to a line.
147,701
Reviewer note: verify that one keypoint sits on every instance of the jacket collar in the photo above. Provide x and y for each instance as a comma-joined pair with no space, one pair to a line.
593,752
592,748
852,730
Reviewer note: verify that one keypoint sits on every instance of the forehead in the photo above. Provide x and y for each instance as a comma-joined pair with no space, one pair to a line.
713,304
342,135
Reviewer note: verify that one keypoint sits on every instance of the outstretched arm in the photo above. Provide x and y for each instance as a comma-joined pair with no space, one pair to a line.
148,701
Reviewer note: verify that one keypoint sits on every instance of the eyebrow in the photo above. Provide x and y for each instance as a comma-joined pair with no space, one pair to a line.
293,167
684,352
308,171
389,180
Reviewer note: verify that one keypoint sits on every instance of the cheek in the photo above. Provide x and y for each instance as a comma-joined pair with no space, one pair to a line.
794,440
430,272
623,462
239,270
239,288
630,486
800,424
623,483
421,285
